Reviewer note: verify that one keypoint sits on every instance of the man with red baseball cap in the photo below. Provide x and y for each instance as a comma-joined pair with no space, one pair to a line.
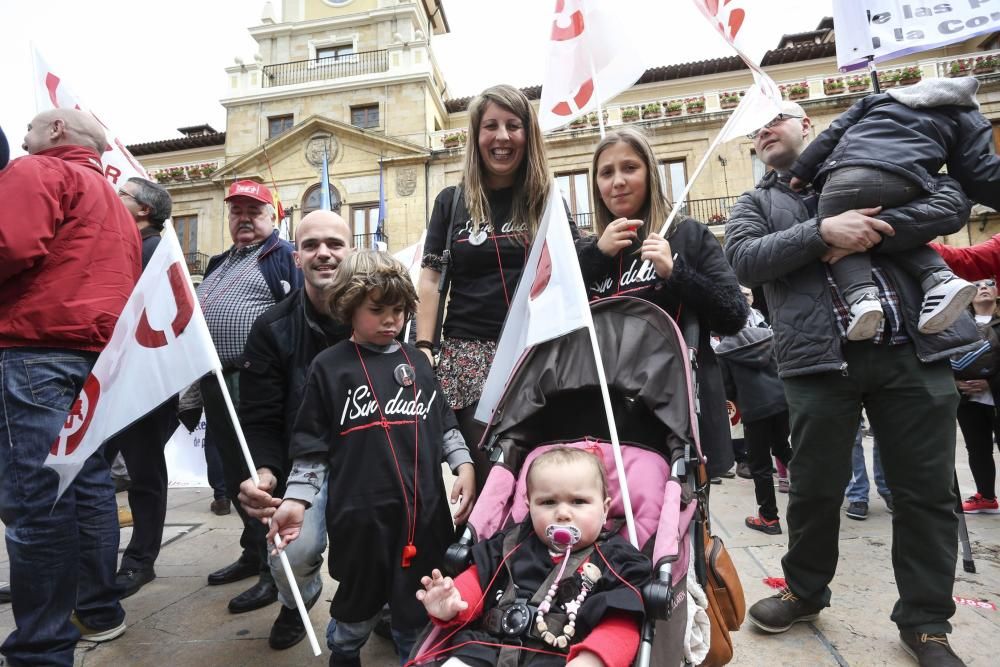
240,284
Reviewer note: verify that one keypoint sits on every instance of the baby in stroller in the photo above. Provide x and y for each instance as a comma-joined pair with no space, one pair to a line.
554,590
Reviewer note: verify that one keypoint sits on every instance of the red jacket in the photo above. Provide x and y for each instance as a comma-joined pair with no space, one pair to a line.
69,251
976,262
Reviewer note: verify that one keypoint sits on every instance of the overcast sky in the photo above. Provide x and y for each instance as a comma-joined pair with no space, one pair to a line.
147,68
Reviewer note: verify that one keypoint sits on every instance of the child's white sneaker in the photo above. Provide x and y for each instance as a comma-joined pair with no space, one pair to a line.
866,319
943,303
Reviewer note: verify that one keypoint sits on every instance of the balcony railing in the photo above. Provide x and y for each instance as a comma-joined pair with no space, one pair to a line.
584,221
712,211
304,71
197,263
367,241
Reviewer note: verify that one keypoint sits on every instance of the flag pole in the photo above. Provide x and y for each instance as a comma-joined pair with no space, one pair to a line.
285,565
616,446
593,77
667,228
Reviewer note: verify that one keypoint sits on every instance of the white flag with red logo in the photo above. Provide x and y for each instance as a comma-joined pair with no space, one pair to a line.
52,92
592,58
160,345
740,23
550,301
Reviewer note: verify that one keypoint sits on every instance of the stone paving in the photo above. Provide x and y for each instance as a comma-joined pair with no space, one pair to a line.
179,620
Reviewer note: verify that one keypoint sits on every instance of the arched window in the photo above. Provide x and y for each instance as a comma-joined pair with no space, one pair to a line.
310,202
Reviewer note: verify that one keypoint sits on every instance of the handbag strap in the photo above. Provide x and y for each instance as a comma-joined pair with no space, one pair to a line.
445,284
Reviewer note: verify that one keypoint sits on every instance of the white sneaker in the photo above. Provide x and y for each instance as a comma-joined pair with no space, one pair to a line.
943,303
866,319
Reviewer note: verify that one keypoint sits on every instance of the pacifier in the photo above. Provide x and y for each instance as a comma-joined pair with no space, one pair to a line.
562,536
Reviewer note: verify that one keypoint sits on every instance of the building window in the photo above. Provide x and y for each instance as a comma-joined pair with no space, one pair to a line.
186,227
311,201
365,116
673,174
329,54
364,222
279,125
759,169
576,192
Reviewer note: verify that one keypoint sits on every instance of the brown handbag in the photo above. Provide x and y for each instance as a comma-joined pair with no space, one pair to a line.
726,602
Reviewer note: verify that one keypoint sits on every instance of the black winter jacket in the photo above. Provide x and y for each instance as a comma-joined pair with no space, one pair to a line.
750,373
773,239
912,132
281,346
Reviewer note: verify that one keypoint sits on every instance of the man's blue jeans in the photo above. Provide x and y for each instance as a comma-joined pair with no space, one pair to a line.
62,556
305,555
857,490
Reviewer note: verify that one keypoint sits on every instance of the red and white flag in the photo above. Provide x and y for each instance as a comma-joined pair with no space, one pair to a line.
160,345
742,24
550,301
592,58
52,92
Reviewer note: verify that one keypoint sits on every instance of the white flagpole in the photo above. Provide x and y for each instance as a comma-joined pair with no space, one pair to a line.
665,230
285,565
616,446
597,94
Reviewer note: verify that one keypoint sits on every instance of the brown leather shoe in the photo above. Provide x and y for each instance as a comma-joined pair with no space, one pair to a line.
221,506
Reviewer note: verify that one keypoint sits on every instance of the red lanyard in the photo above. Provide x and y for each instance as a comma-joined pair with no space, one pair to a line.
410,550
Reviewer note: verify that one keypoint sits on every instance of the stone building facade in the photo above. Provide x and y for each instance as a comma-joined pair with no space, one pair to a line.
358,79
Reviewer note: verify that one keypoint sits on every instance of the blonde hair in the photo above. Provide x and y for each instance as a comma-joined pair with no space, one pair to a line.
655,209
531,182
564,456
364,273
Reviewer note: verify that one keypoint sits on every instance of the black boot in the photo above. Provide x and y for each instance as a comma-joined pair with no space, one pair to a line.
336,661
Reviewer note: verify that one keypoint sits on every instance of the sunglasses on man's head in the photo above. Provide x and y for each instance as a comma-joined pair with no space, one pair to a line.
780,118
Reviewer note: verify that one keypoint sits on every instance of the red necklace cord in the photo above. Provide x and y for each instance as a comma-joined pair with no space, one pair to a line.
503,282
409,551
612,570
436,651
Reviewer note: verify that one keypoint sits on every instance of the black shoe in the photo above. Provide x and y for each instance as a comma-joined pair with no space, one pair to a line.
888,504
344,662
779,612
857,510
259,595
930,650
241,569
743,470
132,579
383,629
5,594
287,630
220,506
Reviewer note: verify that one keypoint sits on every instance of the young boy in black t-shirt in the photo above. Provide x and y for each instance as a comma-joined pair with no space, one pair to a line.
374,420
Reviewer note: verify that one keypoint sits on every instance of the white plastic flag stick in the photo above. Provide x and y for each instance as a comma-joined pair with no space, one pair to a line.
616,446
285,565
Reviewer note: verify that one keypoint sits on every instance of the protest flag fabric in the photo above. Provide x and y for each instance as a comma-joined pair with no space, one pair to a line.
410,256
550,301
592,57
52,92
324,187
889,29
739,23
160,345
758,106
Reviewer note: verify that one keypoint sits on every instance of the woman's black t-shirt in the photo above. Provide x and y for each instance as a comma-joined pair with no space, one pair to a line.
484,276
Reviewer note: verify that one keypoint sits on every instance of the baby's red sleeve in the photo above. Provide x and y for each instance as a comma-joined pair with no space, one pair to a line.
467,585
615,640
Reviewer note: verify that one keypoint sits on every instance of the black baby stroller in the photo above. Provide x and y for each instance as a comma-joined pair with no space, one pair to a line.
554,399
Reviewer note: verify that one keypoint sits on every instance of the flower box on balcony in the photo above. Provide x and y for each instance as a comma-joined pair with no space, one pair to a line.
960,67
674,108
694,104
454,140
592,118
798,91
162,177
834,86
578,122
177,173
729,100
654,110
985,64
630,115
856,84
909,75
